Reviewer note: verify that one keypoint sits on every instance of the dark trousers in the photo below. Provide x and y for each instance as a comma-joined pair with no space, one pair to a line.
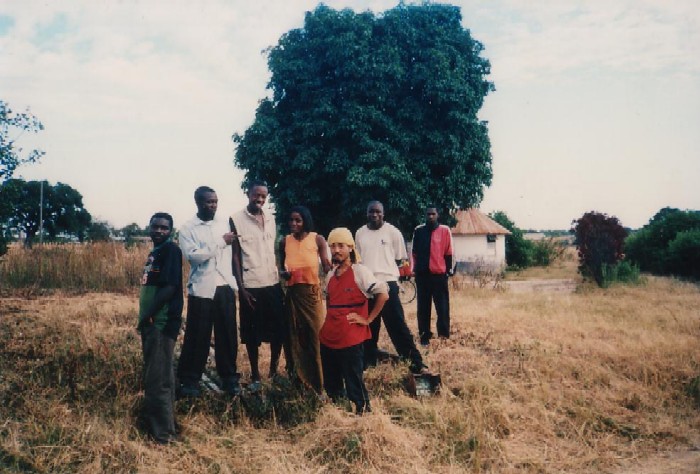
433,288
158,383
395,323
203,314
342,375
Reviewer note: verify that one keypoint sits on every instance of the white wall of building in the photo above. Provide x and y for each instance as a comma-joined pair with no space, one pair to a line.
470,248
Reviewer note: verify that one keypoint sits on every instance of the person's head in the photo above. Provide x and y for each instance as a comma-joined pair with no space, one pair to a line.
160,227
375,214
257,195
342,246
300,220
431,216
207,202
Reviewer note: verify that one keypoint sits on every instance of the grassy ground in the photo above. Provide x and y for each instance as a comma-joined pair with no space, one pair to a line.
533,382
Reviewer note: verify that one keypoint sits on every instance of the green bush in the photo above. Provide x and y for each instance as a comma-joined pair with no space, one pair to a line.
518,250
621,272
544,252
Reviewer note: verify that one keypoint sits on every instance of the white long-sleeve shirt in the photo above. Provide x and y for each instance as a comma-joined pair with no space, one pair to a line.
203,245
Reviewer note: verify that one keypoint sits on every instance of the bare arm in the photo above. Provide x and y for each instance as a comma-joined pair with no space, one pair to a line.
323,253
283,256
379,300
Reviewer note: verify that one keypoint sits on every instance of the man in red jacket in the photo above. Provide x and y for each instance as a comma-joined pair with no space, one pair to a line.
432,264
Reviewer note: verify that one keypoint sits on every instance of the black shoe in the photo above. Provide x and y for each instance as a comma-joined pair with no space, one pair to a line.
231,387
189,391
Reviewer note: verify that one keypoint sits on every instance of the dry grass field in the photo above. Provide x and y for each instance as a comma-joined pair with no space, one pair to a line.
533,382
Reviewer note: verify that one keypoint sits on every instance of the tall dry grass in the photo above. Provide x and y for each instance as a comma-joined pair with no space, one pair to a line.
532,382
99,266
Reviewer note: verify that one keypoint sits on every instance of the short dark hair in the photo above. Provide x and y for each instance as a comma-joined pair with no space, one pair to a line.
199,192
163,215
254,183
375,201
305,214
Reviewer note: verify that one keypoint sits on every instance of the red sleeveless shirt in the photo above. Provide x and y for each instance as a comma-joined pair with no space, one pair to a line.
344,297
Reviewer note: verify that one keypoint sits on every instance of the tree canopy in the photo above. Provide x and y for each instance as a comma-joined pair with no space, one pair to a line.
668,244
367,106
13,125
63,209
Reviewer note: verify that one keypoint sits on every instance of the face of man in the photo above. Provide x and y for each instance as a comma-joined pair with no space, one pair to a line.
431,216
340,253
206,206
375,215
296,223
159,230
256,199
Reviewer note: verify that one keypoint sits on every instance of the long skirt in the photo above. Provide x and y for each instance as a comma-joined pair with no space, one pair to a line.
306,314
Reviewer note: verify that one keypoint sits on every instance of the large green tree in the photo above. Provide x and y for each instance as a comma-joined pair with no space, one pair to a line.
63,209
12,126
367,106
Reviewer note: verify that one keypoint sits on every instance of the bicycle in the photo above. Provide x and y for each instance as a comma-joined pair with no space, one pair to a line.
407,289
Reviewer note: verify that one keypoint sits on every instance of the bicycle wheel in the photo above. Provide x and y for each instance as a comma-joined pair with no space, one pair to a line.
407,291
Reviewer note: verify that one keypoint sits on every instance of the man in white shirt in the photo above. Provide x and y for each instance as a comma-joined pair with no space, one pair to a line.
211,303
382,248
262,314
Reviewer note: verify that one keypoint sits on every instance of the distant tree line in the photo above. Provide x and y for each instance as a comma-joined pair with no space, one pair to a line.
62,210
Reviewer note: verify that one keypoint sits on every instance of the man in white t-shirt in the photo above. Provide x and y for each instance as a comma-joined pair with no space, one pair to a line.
382,248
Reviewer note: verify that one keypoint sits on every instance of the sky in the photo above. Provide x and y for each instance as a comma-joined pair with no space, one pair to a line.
596,107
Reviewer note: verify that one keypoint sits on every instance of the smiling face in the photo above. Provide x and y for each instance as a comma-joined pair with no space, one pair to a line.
296,223
206,205
159,230
256,199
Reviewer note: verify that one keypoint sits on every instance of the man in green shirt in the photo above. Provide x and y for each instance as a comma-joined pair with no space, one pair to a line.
160,317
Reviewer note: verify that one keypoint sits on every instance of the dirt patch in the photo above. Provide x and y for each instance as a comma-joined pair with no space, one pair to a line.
561,285
685,461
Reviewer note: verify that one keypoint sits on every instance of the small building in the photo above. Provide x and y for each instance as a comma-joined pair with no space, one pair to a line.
478,240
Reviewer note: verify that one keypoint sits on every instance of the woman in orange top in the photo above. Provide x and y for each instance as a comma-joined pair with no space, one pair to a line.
300,253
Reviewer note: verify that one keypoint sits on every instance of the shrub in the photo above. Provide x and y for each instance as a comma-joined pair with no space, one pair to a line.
518,250
544,252
621,272
600,240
